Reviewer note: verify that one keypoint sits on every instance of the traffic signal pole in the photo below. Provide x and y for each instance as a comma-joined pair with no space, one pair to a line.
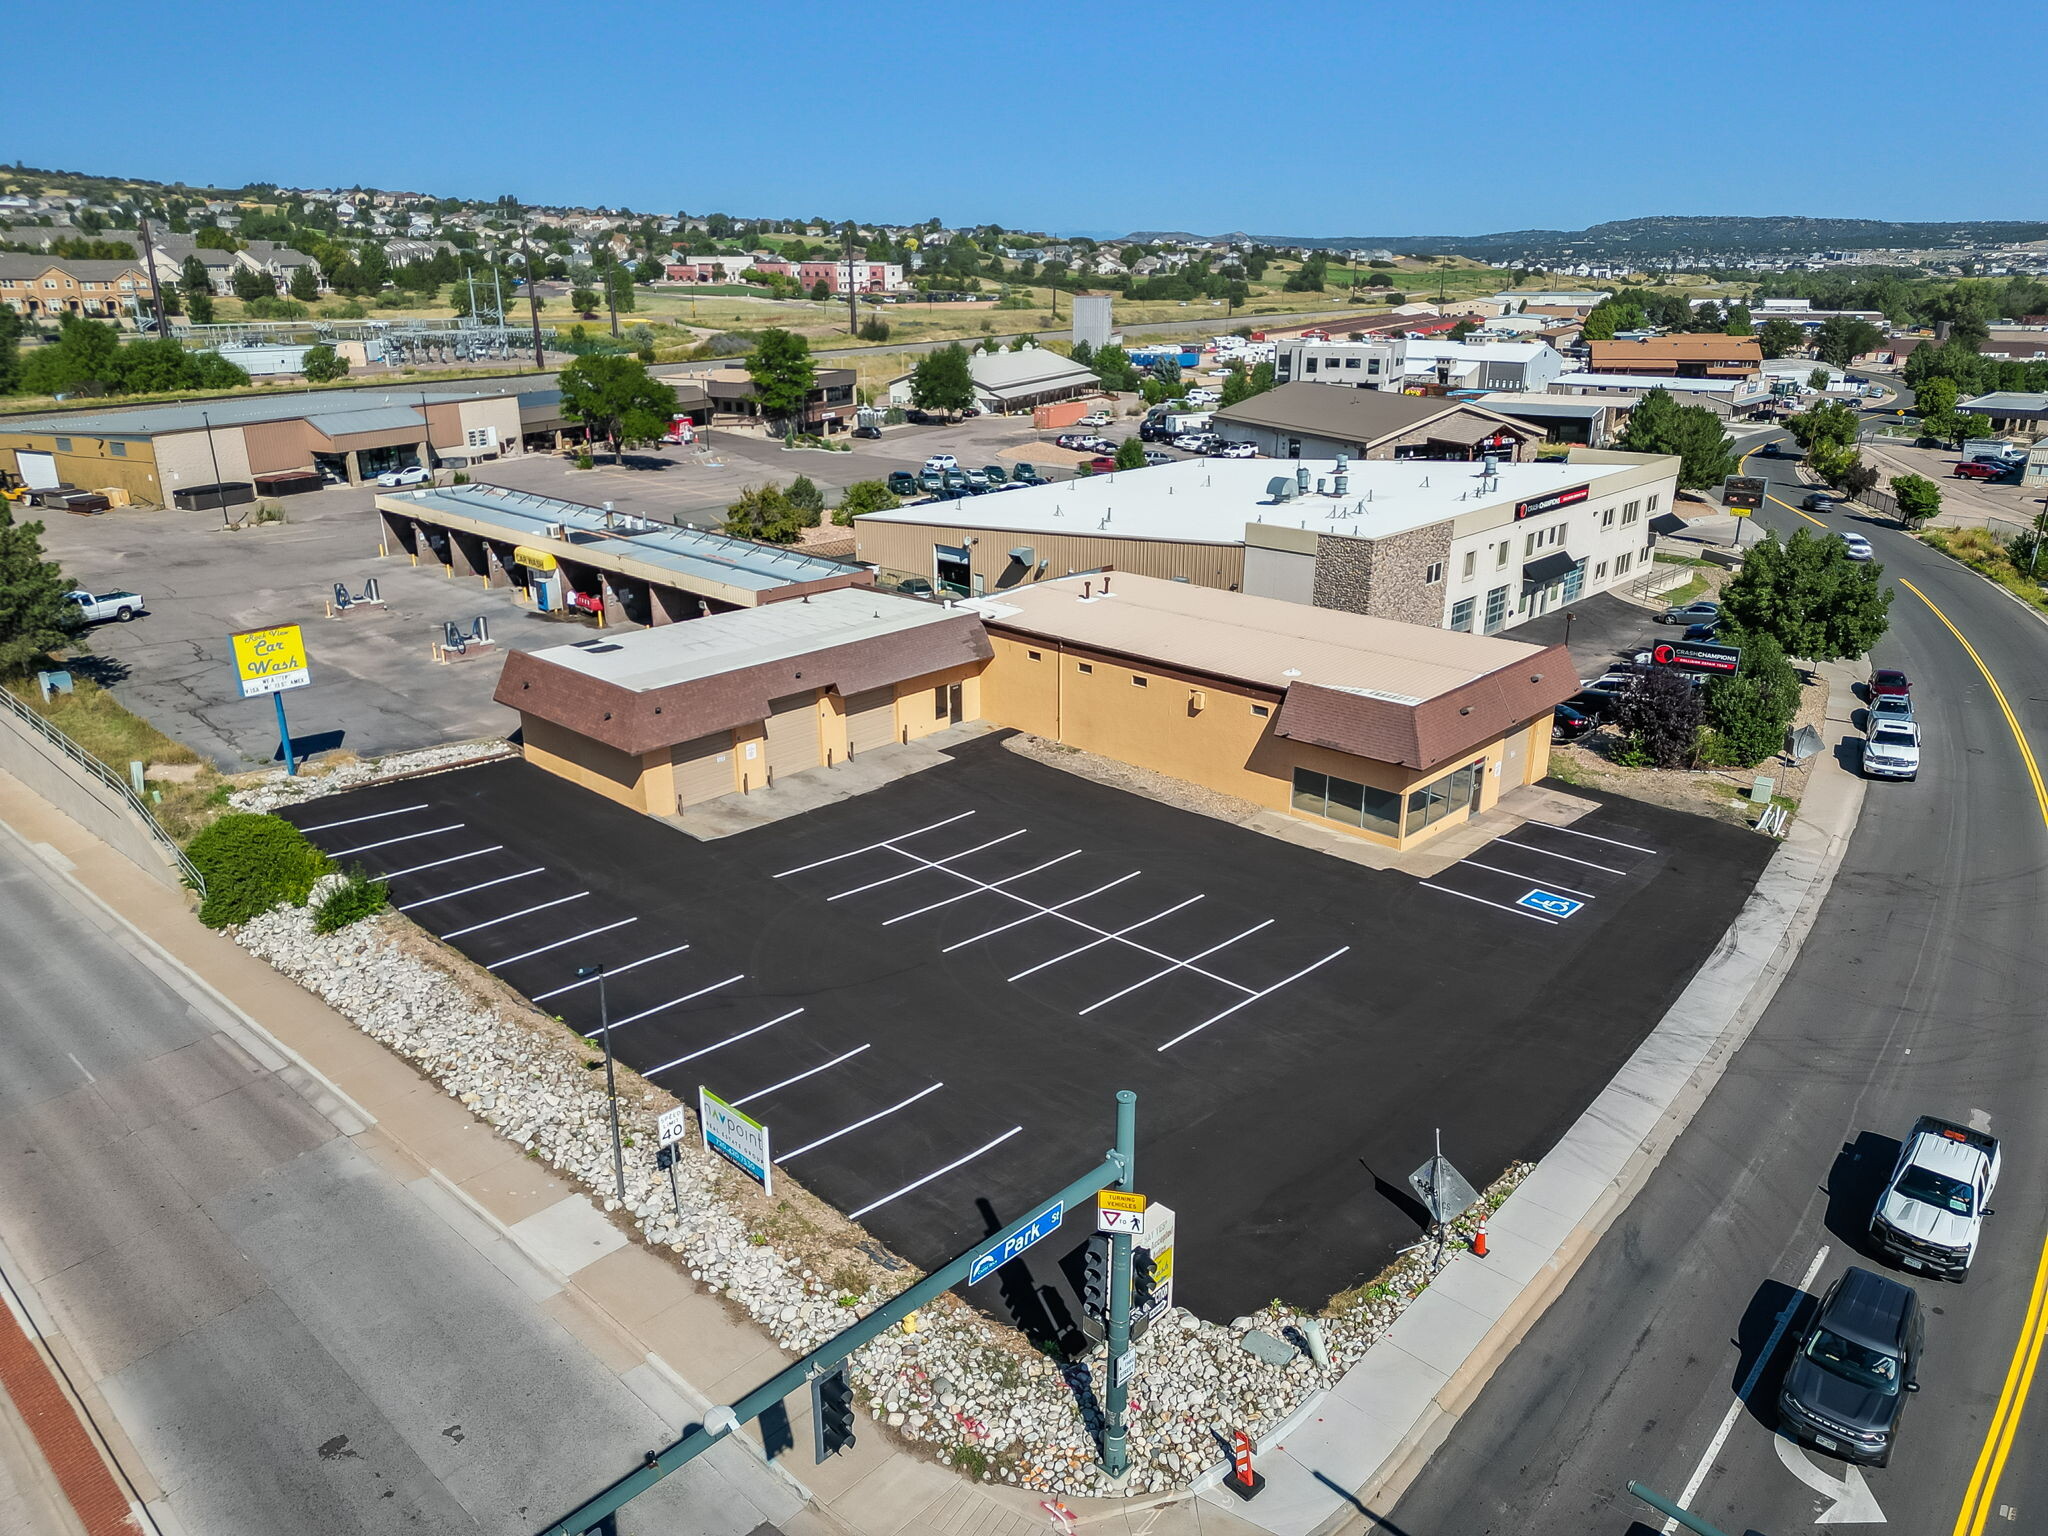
1116,1459
985,1256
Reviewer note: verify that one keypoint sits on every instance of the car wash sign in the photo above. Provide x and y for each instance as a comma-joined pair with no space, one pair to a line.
269,660
1536,506
1719,660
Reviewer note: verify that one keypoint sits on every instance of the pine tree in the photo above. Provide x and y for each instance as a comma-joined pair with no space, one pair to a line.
1659,424
35,616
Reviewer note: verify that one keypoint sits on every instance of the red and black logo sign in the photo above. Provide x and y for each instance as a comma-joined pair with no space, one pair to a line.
1536,506
1697,657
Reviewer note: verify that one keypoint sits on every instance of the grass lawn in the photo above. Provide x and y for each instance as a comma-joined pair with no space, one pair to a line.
108,731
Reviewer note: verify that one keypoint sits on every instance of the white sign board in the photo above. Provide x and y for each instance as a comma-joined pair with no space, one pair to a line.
1130,1223
738,1139
1126,1366
673,1125
1159,1243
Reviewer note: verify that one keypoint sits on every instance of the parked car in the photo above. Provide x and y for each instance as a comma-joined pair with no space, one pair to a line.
902,483
931,479
1098,445
1026,474
1704,631
1102,463
412,474
1204,396
1598,707
1155,457
1974,470
1073,440
1824,501
1892,706
1932,1211
1858,546
1852,1368
1891,749
977,479
868,432
914,586
1237,451
1155,432
1888,680
1612,684
942,462
1702,612
100,607
995,474
1569,723
1094,419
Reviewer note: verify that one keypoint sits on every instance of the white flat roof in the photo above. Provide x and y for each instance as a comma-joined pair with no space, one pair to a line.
1209,501
726,642
1670,382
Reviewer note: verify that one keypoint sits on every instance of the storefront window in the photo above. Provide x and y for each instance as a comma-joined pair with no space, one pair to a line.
1347,802
1449,794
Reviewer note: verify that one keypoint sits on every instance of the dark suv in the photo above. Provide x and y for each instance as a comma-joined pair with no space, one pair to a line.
1847,1382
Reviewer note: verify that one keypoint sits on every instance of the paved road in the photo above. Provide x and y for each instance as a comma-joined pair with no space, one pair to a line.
294,1338
1918,991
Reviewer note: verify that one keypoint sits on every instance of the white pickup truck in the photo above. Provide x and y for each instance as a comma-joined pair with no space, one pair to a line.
1933,1206
102,606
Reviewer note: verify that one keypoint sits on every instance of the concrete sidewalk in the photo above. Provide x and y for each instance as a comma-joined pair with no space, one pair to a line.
680,1348
1344,1458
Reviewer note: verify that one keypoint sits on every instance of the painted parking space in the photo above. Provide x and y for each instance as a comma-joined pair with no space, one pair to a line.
1553,875
930,992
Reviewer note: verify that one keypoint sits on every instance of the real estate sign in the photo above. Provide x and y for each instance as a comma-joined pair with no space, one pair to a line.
738,1139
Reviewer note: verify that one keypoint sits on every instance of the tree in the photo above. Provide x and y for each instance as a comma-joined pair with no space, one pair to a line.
1829,422
1113,366
1749,712
10,353
193,278
649,271
1810,597
323,365
304,286
804,495
1819,379
821,291
199,306
1936,400
1660,717
254,283
764,512
1971,424
84,359
35,616
1463,329
783,374
209,237
1919,498
1130,454
616,400
1739,321
1780,338
861,498
583,300
941,381
1659,424
1842,339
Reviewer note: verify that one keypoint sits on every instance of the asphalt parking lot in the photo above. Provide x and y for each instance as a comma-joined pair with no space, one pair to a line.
931,992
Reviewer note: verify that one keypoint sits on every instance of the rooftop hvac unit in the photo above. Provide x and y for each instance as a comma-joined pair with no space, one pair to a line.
1281,487
1301,480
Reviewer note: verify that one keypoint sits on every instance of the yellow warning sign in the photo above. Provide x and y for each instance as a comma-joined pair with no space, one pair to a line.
1119,1200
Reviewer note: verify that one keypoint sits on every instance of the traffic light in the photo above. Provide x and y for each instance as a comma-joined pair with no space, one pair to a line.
831,1413
1142,1282
1095,1278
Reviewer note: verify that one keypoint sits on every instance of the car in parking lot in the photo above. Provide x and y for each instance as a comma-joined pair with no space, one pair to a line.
977,480
1094,419
1197,442
941,461
902,483
1977,470
1857,545
1102,463
1824,501
873,433
1098,445
931,479
1155,432
1237,451
1569,723
98,607
1891,749
1156,457
1026,474
1846,1385
995,474
1888,680
1706,630
412,474
1702,612
1073,440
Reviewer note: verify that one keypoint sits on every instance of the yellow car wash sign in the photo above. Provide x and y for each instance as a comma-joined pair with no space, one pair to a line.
270,660
533,559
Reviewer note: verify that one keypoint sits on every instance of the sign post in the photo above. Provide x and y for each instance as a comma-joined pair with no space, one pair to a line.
1116,1459
672,1126
270,661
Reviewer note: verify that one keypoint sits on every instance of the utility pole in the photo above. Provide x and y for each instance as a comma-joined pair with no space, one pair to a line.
533,303
469,277
611,1083
611,292
156,293
498,294
852,300
1116,1459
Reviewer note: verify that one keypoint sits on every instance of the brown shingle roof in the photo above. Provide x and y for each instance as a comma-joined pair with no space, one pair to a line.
1429,734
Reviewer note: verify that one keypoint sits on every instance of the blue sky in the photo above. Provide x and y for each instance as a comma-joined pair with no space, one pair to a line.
1276,117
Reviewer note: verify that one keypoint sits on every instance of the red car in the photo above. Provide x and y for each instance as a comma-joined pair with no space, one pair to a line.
1979,471
1102,464
1889,680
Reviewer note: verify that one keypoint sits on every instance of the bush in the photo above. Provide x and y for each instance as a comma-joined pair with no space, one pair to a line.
355,897
275,309
874,330
1749,713
585,461
250,864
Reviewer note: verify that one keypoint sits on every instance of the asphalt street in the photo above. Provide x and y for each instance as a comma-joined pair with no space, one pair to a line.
292,1336
1918,991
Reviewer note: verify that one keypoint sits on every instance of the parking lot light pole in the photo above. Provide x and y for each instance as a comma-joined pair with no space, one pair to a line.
1116,1460
611,1082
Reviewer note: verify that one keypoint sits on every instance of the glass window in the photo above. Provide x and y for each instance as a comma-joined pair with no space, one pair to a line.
1084,666
1311,791
1600,571
1574,582
1434,574
1034,655
1496,608
1347,802
1500,553
1461,613
1471,561
1140,682
1447,796
1651,503
1630,513
1310,366
63,445
1261,710
1607,518
1622,563
1529,545
1342,800
118,450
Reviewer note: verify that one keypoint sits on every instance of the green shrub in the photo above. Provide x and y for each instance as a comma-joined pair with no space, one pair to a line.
584,461
357,897
251,863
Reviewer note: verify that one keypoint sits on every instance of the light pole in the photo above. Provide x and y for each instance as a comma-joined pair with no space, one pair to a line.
611,1082
214,454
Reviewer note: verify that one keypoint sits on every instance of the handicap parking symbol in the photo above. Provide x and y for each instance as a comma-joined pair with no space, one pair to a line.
1550,904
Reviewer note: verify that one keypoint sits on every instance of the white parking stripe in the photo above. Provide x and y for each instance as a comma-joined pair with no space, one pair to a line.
1605,869
329,826
1548,885
509,916
485,885
455,859
871,847
720,1045
672,1003
1575,832
936,1173
1107,937
1051,911
616,970
964,895
1247,1002
1191,959
588,933
342,853
844,1130
762,1093
1518,911
906,874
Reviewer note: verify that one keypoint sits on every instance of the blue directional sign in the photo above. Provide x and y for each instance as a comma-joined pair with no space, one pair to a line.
991,1259
1550,904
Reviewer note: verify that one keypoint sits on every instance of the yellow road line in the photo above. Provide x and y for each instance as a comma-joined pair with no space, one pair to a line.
1742,467
2026,1355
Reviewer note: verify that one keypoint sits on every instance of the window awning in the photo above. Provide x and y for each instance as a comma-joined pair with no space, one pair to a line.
1667,522
1545,569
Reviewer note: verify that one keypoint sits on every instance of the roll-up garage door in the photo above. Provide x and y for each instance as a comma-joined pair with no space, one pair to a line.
703,768
870,719
793,734
38,470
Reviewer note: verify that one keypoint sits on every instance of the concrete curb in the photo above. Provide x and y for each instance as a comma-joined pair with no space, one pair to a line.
1375,1429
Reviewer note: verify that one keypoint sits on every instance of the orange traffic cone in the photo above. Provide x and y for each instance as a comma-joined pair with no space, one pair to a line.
1479,1240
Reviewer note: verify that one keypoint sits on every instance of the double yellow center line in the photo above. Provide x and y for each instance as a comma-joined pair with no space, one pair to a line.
2026,1355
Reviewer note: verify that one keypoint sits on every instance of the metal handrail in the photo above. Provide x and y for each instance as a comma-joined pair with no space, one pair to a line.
113,781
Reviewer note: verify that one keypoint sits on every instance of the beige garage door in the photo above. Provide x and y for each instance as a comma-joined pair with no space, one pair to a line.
870,719
703,768
793,734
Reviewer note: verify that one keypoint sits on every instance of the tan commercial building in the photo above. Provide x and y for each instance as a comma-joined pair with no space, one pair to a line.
1693,356
1311,420
1387,731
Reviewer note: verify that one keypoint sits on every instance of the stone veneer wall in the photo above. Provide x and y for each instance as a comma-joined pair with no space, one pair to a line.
1384,577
